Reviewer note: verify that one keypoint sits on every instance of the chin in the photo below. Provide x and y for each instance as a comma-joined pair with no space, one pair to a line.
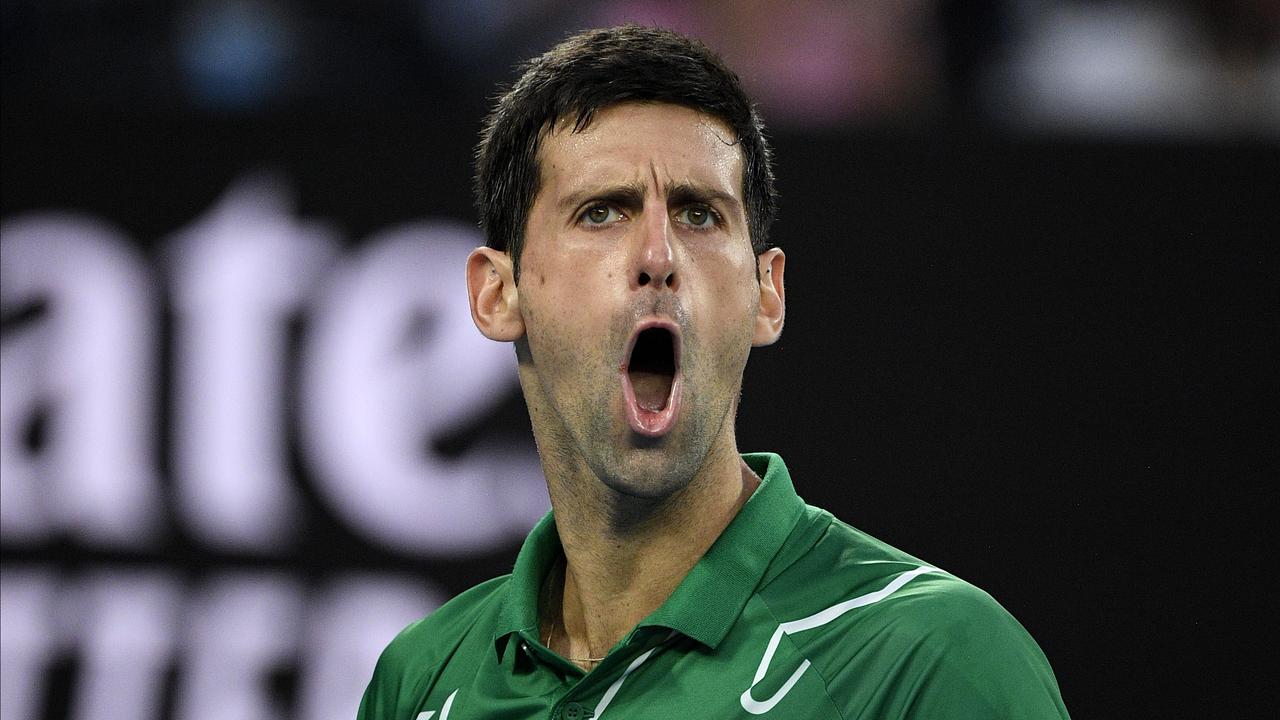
654,488
650,470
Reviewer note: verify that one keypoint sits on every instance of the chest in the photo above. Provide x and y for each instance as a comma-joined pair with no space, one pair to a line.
746,676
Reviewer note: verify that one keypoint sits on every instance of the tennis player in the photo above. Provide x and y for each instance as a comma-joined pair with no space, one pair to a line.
625,191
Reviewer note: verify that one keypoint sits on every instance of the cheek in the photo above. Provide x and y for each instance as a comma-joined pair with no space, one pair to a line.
571,270
563,330
561,303
729,301
731,286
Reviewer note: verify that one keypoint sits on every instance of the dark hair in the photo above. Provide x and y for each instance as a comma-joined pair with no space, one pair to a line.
593,70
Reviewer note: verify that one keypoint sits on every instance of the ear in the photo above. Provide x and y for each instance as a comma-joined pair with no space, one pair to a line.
495,300
771,265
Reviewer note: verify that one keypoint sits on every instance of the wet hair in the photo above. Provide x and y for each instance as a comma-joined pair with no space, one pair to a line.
593,70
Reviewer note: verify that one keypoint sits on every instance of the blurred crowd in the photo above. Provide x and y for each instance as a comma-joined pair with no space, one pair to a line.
1198,68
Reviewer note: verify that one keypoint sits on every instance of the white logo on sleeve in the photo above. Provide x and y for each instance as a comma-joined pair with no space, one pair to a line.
444,711
760,707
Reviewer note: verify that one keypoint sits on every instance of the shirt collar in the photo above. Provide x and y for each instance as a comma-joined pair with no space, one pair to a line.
711,597
519,612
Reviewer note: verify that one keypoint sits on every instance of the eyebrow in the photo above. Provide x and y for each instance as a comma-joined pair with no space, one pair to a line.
628,195
631,195
689,193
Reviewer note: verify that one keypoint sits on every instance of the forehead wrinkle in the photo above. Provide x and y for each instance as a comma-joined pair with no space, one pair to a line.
601,175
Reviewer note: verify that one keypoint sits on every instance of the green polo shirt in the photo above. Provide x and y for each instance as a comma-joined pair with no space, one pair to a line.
790,614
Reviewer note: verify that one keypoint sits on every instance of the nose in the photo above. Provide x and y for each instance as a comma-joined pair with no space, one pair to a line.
655,264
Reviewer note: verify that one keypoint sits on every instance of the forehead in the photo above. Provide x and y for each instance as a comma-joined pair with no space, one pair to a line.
642,142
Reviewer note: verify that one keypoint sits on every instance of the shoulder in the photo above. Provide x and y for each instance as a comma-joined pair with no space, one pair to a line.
412,661
935,640
969,657
426,642
826,559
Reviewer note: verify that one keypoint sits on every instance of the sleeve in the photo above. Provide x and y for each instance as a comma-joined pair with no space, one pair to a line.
977,661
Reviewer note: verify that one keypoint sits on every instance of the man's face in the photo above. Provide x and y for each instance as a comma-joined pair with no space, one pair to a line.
639,295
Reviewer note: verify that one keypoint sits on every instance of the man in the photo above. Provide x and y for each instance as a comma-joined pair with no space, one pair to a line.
626,193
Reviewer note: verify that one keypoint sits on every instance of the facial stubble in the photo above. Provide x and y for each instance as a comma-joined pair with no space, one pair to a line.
636,474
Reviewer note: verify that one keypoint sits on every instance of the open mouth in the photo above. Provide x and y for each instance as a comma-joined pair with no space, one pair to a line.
652,368
651,379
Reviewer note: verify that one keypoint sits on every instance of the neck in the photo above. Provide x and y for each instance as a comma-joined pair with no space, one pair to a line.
624,561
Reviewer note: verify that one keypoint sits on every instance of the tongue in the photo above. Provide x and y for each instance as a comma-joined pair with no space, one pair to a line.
651,388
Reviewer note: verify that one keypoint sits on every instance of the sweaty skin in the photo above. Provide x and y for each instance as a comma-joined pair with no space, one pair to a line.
639,219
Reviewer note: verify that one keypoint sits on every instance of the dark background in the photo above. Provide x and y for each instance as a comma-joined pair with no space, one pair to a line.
1042,361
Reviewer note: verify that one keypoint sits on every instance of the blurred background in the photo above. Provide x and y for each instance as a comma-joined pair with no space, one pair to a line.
247,431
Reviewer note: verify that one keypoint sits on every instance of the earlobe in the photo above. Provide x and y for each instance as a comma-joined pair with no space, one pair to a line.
771,265
495,299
